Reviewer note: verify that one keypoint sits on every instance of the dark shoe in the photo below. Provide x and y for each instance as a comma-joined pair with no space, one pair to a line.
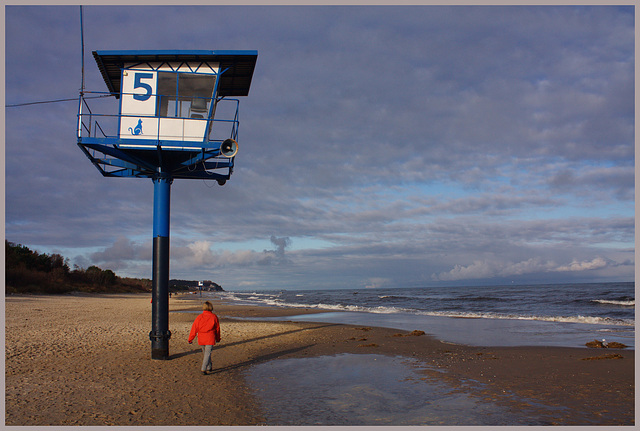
204,373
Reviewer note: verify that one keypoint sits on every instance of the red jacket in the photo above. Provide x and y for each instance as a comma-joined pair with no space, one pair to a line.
207,327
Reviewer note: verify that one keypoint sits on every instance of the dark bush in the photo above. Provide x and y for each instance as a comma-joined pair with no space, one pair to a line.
28,271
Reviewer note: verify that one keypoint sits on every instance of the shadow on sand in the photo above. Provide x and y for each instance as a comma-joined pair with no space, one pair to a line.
259,359
251,340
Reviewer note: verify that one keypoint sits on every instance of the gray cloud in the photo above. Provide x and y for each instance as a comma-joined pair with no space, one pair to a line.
408,141
276,256
483,269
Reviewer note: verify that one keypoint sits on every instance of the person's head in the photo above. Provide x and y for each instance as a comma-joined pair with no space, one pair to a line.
207,306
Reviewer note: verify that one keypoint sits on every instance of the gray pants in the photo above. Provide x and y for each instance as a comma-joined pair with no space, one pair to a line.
206,361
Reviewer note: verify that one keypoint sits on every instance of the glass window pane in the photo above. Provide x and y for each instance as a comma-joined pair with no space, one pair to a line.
196,91
184,95
196,85
167,89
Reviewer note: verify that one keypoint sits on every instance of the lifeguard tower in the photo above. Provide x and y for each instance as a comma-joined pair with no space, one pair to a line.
177,119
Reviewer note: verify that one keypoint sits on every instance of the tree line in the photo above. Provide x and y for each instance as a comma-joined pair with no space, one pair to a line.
27,271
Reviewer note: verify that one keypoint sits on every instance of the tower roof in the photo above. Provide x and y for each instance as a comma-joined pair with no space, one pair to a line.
235,81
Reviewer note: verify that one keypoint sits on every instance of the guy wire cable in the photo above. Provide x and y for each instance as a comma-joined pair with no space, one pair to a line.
75,99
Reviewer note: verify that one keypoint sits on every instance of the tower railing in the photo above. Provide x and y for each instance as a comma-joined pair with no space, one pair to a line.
93,124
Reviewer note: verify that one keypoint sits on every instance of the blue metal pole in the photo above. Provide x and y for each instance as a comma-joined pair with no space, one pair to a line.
161,206
160,333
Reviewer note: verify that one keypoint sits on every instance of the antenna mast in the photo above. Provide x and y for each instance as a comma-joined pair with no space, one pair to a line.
82,43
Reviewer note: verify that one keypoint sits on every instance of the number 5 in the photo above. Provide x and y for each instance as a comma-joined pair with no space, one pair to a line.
138,84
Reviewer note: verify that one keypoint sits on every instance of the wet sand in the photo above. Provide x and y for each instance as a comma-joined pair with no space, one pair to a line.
86,360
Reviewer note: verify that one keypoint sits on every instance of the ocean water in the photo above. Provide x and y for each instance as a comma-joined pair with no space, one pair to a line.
366,389
552,314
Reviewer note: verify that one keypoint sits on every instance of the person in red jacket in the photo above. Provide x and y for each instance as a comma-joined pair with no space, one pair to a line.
207,328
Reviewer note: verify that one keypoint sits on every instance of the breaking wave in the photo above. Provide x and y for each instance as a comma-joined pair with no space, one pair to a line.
625,303
274,300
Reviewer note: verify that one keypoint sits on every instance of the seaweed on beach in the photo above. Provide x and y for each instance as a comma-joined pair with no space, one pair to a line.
609,356
596,344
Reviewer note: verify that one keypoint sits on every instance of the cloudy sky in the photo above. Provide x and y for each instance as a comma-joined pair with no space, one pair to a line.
379,146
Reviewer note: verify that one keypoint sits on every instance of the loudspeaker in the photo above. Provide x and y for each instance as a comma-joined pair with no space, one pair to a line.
228,148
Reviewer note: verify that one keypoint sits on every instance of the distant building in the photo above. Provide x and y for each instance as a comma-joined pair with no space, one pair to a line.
207,285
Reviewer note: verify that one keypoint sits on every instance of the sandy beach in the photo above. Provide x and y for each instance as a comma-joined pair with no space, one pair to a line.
85,360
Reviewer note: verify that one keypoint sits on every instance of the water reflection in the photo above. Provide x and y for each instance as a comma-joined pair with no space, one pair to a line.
350,389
